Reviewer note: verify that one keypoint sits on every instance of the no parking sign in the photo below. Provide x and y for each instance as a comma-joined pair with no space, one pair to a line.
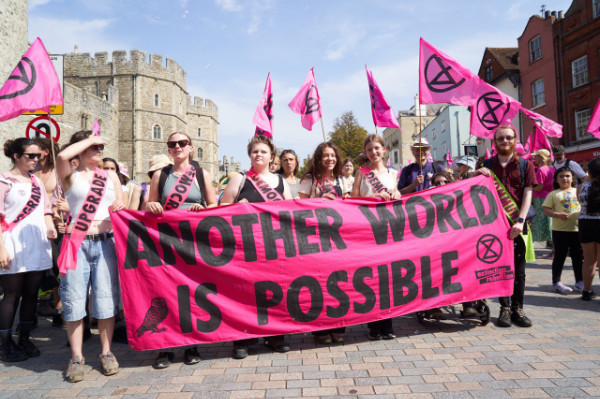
43,127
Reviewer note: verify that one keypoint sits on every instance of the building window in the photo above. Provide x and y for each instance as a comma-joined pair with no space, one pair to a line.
199,153
582,119
97,88
579,70
156,100
84,121
596,7
199,132
535,48
489,73
156,132
537,92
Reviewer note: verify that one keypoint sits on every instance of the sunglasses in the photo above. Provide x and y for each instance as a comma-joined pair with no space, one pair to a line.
504,138
97,147
181,143
33,155
440,182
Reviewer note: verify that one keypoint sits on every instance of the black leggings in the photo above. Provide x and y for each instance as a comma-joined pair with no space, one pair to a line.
16,286
566,242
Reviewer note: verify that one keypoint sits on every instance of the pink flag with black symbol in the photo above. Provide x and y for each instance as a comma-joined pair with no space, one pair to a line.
488,155
33,85
536,141
449,160
443,79
383,116
263,116
307,102
594,125
492,108
547,126
96,128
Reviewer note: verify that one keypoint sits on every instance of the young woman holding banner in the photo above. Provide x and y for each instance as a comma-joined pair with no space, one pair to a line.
167,192
88,254
25,253
244,188
321,180
374,179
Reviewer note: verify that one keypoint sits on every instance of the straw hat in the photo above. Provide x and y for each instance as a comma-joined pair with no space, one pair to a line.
158,162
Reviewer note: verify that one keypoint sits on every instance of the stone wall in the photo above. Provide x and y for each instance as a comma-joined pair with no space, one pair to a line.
13,31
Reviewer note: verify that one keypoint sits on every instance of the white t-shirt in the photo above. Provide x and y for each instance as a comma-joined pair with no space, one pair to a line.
574,166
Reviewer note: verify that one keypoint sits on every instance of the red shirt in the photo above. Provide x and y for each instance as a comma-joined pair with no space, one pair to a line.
511,177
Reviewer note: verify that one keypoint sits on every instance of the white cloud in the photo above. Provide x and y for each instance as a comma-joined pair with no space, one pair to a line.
229,5
347,37
257,10
36,3
61,35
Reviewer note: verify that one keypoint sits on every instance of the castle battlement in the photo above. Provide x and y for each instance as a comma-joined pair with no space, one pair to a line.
202,106
84,66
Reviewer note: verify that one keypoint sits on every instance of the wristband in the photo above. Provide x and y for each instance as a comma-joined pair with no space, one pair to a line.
520,220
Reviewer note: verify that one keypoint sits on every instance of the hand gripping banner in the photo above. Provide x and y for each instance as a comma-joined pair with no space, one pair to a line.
251,270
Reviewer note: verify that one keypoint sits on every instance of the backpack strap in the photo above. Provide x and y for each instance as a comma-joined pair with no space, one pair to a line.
164,175
523,169
200,179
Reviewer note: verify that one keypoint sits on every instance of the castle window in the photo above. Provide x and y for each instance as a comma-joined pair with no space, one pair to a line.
199,132
156,132
97,88
84,121
156,100
199,153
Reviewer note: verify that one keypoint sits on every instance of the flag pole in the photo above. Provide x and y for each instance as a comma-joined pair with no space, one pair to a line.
54,161
420,145
323,127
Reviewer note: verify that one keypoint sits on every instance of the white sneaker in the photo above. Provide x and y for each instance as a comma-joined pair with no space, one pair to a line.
579,286
563,289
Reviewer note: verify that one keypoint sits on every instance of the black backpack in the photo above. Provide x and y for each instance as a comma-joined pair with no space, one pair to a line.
164,174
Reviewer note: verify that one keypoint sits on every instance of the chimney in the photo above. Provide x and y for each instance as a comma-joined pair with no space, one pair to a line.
560,15
547,14
553,13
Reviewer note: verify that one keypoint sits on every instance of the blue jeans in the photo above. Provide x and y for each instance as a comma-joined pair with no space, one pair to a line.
96,265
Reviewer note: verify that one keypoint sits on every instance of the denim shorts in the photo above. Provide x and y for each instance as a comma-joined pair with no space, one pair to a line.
96,266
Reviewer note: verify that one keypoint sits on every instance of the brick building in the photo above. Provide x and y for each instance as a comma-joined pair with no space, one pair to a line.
537,65
577,50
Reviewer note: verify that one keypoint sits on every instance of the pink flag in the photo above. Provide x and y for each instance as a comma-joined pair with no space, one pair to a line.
536,141
383,116
547,126
307,102
33,85
449,160
594,125
96,128
389,163
488,155
443,79
263,116
491,109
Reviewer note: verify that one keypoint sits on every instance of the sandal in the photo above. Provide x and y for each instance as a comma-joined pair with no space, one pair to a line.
163,360
337,338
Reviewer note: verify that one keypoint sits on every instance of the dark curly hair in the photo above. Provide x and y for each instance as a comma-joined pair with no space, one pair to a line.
561,170
17,147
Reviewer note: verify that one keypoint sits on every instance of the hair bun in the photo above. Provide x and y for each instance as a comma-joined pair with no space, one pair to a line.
7,146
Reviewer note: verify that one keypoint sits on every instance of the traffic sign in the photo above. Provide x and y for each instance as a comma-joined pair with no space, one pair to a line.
42,127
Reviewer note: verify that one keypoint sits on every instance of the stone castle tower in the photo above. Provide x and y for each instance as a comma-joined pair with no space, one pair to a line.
152,103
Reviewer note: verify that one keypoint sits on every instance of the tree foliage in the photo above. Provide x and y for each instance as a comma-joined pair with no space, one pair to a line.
348,135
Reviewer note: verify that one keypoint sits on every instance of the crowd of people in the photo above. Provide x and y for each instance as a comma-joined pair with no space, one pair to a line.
55,220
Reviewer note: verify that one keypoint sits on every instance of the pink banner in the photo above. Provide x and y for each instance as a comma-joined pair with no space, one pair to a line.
449,160
383,116
492,108
33,85
251,270
307,103
263,116
594,125
443,79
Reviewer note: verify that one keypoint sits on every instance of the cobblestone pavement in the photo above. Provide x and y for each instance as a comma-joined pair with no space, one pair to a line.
558,357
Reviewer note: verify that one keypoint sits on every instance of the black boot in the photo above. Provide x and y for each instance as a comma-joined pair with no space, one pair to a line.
25,344
8,349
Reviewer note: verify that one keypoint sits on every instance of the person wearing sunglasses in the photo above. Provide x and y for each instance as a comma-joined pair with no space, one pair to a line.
198,196
441,178
25,252
92,246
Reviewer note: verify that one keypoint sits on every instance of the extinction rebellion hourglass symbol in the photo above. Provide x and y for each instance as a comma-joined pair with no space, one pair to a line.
443,80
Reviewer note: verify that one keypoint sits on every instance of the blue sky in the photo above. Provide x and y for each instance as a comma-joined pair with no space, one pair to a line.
227,47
